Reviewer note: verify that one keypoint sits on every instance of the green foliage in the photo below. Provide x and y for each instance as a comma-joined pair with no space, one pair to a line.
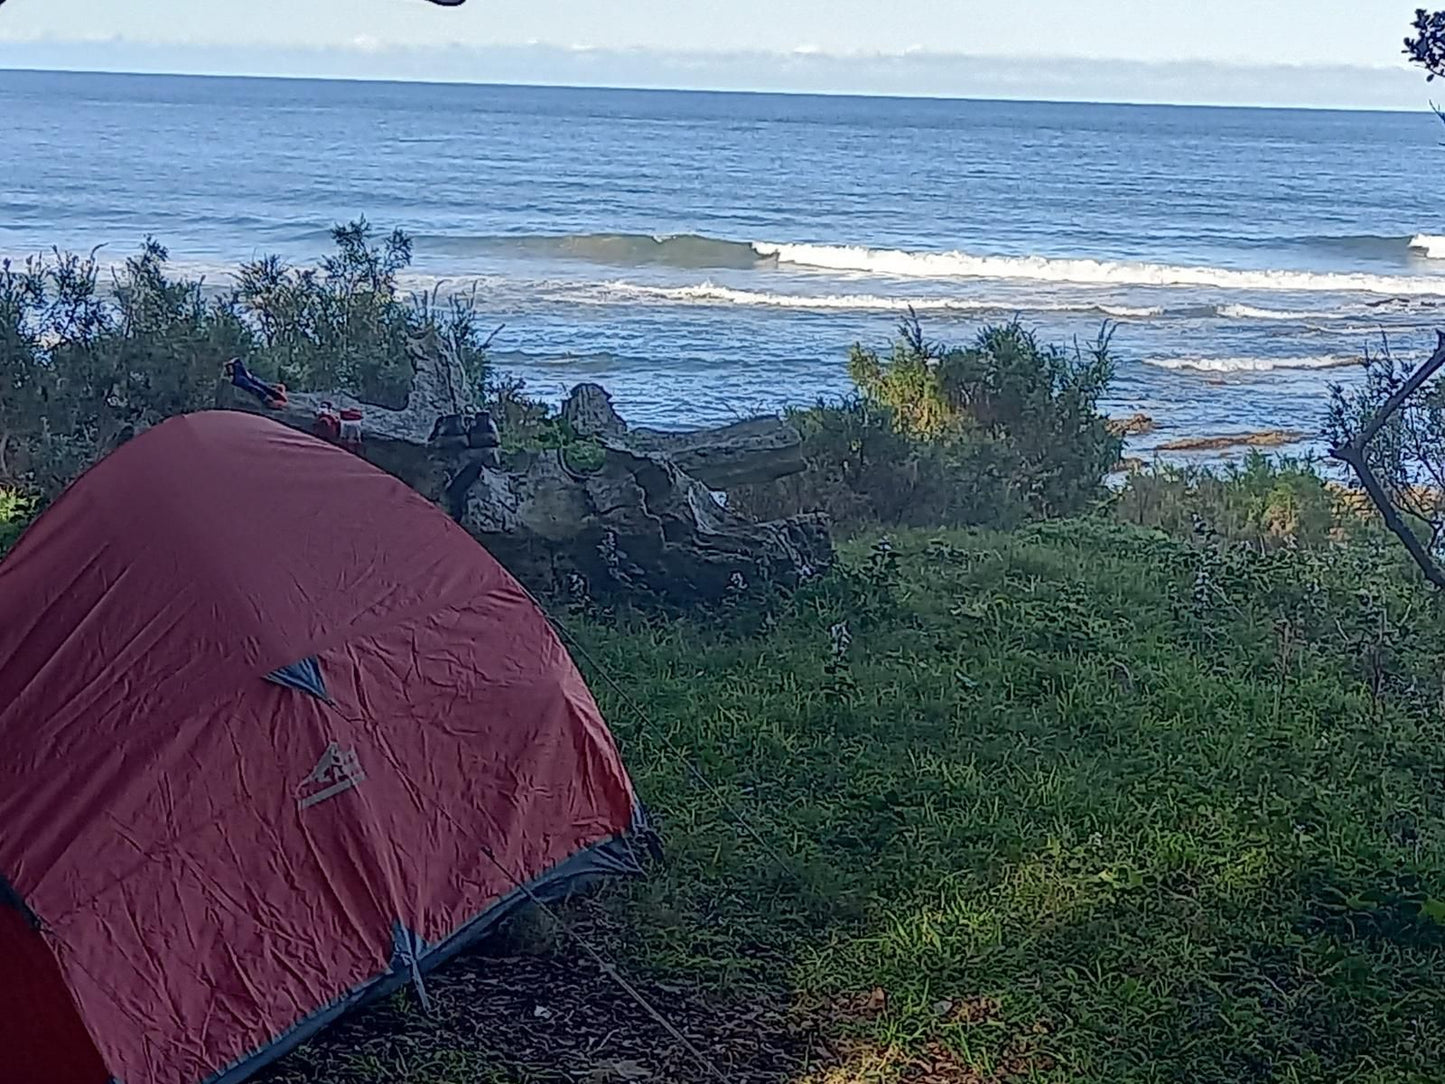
1004,430
1168,810
1407,453
1266,501
15,514
534,427
83,365
346,324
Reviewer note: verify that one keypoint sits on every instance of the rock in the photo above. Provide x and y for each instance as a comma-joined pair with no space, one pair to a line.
1135,425
397,441
751,452
640,524
483,432
1268,438
623,1069
637,525
589,412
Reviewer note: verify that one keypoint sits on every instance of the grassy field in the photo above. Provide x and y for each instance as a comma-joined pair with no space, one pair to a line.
1085,804
1077,802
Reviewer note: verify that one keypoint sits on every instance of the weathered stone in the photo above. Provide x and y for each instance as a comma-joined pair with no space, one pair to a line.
397,441
751,452
636,525
589,412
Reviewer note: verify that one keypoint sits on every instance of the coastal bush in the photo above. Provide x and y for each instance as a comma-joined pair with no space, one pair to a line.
993,433
345,324
83,363
1264,501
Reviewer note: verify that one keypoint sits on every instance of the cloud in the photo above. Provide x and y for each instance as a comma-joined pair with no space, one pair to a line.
914,71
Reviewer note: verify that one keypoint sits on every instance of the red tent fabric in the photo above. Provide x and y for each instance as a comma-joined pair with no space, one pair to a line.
266,713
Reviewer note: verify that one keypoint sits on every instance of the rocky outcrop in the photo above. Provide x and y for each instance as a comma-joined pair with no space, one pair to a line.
753,451
1267,438
637,524
643,521
590,413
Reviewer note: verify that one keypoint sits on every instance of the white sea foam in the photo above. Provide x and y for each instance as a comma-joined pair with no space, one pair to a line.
935,265
1429,245
1130,311
708,293
1250,312
1254,365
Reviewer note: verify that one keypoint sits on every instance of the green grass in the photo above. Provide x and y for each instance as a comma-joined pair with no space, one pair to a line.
1085,803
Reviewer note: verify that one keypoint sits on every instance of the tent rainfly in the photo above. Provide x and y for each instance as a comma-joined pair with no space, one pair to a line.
279,737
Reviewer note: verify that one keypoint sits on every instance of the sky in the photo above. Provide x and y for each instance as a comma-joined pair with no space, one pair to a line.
1269,52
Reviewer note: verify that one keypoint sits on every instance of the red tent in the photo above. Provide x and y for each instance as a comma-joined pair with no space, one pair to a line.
271,723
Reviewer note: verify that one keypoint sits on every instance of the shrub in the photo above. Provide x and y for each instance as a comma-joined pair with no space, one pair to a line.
1406,454
1269,502
346,325
990,434
81,366
862,470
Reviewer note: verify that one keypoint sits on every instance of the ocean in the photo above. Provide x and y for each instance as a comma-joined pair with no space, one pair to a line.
706,256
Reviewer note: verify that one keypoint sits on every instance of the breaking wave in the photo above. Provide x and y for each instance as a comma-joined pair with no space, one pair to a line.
934,265
1250,312
1428,245
710,294
700,252
1254,365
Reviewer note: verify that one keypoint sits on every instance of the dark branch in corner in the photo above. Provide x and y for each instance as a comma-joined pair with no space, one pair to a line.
1353,452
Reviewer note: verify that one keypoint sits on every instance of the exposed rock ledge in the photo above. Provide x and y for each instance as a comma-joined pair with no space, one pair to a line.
644,522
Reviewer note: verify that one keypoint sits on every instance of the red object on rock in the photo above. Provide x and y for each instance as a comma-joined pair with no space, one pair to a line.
328,423
279,738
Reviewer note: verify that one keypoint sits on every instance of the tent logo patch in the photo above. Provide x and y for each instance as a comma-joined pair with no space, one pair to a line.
336,772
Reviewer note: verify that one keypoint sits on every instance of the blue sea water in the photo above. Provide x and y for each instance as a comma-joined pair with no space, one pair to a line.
707,255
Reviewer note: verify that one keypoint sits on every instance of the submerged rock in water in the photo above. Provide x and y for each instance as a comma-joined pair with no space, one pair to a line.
1135,425
644,521
1267,438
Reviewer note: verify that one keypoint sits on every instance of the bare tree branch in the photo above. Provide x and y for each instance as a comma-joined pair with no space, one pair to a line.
1353,453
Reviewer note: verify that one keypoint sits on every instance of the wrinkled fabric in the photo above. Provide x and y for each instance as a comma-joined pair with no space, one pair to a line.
214,858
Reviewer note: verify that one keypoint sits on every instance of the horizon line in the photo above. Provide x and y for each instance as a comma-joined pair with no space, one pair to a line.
644,88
